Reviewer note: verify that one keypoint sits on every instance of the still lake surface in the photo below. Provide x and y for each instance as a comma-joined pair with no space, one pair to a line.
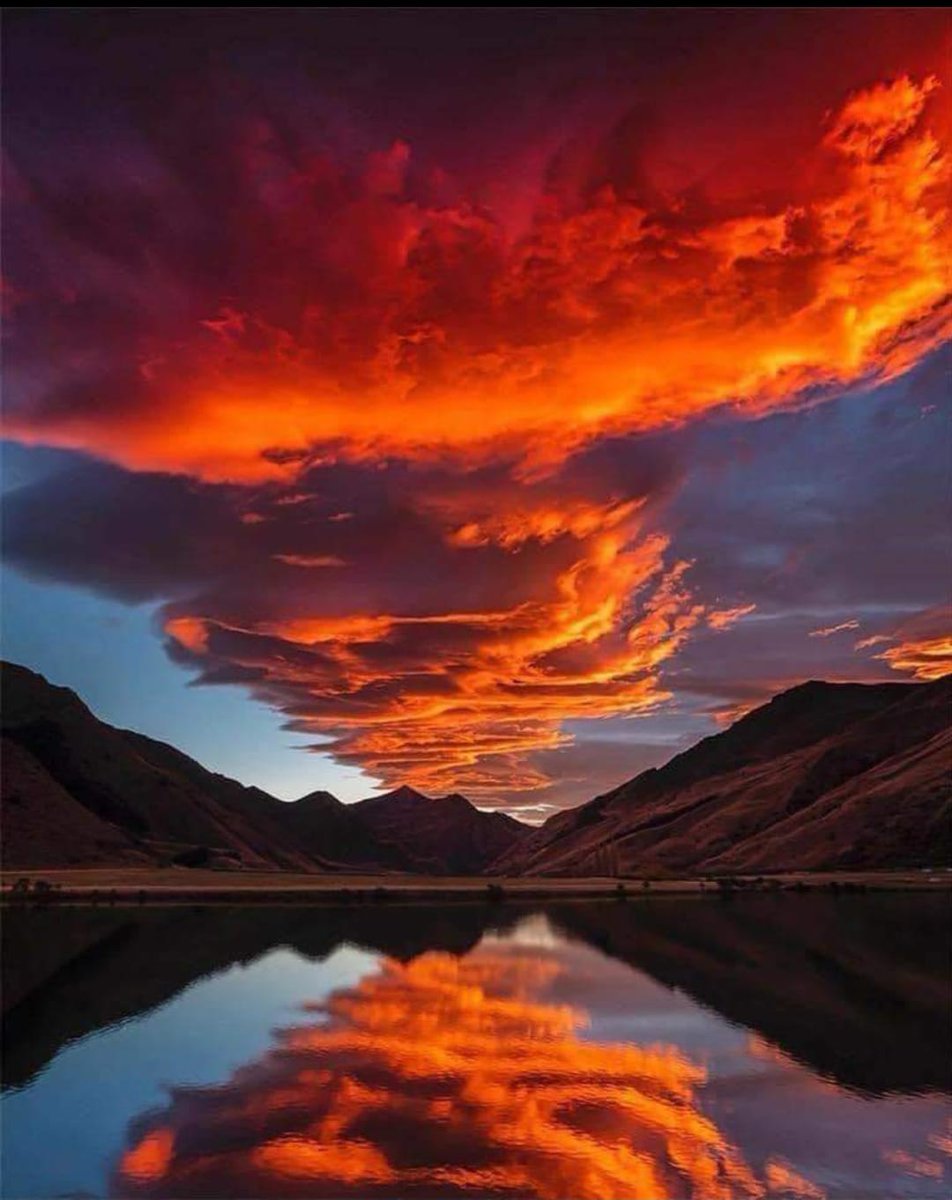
767,1046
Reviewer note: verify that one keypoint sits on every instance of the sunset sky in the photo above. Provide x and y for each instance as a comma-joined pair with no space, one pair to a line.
494,401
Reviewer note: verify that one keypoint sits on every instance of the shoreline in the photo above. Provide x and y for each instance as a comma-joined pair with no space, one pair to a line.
156,886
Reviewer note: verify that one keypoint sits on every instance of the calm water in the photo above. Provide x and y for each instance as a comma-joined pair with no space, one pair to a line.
790,1047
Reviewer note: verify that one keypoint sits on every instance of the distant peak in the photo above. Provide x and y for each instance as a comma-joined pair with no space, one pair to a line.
807,690
28,694
811,689
318,797
404,792
458,799
408,794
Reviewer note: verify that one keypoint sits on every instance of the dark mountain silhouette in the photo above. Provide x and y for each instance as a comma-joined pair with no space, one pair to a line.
824,776
448,835
76,791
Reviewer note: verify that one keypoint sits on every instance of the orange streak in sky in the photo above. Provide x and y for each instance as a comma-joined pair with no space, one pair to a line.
921,645
150,1158
930,658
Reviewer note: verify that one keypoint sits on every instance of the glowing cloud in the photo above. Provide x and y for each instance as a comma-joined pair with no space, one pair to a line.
930,658
449,700
920,646
371,401
424,327
724,618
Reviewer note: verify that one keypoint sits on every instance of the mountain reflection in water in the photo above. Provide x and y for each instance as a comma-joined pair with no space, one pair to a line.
489,1051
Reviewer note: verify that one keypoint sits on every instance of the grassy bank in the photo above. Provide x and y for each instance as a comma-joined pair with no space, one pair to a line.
171,885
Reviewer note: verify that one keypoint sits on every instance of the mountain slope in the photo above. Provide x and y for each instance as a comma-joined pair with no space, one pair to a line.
317,830
446,836
825,775
78,791
44,825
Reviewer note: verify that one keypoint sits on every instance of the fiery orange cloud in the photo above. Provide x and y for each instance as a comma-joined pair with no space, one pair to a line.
457,700
150,1158
381,318
781,1177
921,647
449,1076
724,618
449,335
927,659
452,700
190,632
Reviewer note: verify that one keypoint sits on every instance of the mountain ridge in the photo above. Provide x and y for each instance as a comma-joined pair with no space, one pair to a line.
450,827
78,791
824,775
790,785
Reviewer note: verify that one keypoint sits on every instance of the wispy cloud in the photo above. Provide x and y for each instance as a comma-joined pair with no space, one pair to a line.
829,630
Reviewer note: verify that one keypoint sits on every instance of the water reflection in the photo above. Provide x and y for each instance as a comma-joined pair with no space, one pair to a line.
442,1076
856,988
770,1047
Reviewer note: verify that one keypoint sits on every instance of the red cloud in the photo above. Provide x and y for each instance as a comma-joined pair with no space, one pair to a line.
458,699
375,317
273,309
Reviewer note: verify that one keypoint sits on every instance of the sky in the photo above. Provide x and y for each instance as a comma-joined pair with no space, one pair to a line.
493,401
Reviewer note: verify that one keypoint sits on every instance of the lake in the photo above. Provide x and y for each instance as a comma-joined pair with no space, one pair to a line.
764,1046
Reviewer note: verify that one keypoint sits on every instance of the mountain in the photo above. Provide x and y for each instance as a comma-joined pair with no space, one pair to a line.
825,775
76,791
446,836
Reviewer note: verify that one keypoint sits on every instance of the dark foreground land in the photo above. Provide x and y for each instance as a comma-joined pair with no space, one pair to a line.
175,885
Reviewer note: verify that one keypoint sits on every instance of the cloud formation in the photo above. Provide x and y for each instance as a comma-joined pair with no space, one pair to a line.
920,647
422,655
829,630
278,305
391,424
